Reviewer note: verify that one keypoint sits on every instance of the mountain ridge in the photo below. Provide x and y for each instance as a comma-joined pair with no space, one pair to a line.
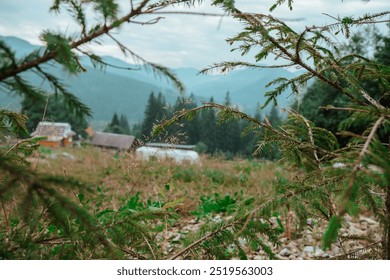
127,91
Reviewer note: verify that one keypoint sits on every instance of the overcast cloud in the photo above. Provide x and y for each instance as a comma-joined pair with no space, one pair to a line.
178,41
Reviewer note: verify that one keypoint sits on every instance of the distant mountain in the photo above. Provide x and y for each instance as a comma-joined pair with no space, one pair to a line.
20,46
126,92
246,86
105,92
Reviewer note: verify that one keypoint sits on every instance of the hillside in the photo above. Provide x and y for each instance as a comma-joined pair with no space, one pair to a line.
127,92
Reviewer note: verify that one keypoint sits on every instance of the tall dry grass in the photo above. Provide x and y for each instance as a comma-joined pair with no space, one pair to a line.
122,175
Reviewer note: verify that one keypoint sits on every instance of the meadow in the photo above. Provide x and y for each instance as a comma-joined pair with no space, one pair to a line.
113,206
179,205
122,175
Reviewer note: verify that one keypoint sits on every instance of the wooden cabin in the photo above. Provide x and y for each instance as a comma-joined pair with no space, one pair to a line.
114,141
57,134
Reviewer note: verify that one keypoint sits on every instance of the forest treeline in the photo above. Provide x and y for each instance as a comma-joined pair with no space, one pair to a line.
228,138
203,130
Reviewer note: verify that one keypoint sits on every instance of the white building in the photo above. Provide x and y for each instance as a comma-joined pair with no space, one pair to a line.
178,153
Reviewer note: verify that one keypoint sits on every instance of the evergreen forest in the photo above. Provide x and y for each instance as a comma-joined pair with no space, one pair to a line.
309,181
204,131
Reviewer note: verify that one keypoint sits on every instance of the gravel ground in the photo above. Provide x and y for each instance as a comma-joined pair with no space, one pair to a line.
297,246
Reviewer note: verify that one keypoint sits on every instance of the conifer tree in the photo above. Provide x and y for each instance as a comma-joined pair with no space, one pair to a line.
313,149
208,129
193,125
228,133
118,125
124,124
115,120
149,118
39,219
155,111
320,189
188,130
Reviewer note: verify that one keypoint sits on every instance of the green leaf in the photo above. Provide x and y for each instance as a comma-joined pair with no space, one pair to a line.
62,46
332,232
273,7
80,197
52,228
108,8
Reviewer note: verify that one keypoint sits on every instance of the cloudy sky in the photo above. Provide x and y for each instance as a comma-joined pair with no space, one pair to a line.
178,41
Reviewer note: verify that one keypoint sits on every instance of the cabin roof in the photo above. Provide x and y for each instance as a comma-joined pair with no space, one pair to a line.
170,146
53,131
113,140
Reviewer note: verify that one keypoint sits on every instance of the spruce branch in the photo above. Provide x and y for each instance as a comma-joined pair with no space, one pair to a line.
356,166
203,239
52,54
281,47
311,138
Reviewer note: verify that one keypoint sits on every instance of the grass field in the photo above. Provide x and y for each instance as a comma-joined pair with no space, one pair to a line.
162,210
122,175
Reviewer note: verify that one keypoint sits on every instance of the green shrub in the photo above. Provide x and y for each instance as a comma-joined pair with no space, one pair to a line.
186,175
217,204
215,176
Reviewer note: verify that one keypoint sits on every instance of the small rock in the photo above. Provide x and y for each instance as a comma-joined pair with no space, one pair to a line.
368,221
310,222
257,258
364,226
231,248
336,250
292,244
348,218
308,239
318,253
217,219
283,240
242,241
308,249
274,221
176,238
295,250
356,231
285,252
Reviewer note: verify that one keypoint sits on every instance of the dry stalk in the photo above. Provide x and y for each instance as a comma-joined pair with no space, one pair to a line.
204,238
5,216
